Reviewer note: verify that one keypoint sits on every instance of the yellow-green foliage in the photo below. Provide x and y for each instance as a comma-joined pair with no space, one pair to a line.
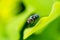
47,28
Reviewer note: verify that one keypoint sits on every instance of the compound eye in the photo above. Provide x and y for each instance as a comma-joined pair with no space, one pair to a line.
36,15
30,17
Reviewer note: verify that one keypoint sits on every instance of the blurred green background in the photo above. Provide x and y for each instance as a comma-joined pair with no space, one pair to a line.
14,14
